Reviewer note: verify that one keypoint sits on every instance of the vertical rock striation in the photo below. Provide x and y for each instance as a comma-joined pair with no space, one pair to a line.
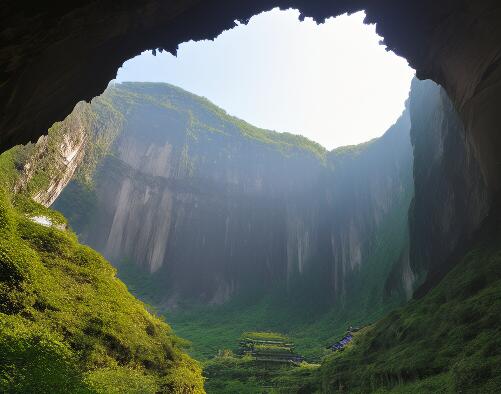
212,207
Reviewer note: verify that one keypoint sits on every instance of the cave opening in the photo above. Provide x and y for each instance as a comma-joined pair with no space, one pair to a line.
358,227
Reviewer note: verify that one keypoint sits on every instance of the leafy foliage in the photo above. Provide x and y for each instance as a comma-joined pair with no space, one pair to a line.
10,164
67,324
35,360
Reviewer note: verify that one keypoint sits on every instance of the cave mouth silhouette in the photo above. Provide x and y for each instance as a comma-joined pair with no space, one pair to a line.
59,54
452,43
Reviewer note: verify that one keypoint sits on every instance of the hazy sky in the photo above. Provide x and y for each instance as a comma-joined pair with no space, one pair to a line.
332,83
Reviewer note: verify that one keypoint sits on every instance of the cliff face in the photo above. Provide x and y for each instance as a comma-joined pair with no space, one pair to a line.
451,196
52,161
212,207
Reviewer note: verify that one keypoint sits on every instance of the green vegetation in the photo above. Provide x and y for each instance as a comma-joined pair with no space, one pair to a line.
447,342
352,150
207,329
67,324
11,162
263,336
256,369
229,374
206,326
30,208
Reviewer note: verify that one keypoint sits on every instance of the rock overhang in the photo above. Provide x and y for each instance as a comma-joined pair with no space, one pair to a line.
56,55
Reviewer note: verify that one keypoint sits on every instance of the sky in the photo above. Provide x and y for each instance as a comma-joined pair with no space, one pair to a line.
333,82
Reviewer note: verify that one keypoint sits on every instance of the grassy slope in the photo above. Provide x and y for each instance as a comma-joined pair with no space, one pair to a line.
447,342
67,324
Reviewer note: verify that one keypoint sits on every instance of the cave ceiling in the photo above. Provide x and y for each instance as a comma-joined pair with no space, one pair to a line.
56,53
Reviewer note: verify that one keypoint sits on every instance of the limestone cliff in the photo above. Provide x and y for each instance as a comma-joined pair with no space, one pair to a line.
212,207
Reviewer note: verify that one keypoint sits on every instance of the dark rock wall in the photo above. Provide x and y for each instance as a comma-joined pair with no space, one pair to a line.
451,195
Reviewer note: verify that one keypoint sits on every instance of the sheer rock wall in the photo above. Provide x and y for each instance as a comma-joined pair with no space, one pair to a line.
451,194
212,211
